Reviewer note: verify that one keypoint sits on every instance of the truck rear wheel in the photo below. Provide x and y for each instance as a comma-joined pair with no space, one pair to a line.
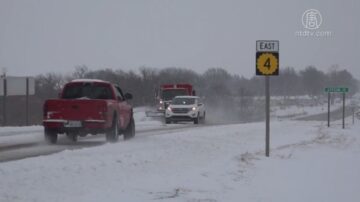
50,136
130,130
113,134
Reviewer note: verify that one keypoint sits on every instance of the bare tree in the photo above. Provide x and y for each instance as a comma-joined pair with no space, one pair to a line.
80,72
313,81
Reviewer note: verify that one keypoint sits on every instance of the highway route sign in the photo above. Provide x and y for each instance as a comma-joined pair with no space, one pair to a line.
267,57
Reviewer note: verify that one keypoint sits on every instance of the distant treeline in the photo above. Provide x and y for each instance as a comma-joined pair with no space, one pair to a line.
219,87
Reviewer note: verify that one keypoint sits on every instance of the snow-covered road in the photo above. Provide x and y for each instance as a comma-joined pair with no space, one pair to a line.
23,142
20,145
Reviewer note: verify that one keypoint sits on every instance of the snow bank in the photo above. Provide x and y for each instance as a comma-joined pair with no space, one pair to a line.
308,162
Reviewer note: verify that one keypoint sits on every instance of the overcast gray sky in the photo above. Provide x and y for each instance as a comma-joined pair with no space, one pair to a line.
40,36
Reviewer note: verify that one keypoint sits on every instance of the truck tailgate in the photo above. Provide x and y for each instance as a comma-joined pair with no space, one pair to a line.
77,109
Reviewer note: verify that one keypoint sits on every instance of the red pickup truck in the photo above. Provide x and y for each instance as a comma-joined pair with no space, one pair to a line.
89,106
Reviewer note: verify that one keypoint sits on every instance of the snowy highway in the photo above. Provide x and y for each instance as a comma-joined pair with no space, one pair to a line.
22,143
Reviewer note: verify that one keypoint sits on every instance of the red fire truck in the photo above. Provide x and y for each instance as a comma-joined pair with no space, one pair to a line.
166,93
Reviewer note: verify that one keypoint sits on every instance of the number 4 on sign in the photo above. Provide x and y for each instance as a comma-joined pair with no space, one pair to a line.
267,63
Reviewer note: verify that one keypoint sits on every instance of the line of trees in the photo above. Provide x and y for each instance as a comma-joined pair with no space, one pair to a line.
215,82
219,87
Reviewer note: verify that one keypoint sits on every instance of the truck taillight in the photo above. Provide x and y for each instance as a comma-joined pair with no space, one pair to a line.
103,111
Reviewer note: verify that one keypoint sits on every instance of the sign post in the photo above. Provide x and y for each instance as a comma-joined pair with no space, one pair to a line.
343,112
267,109
4,102
267,64
342,90
329,99
27,102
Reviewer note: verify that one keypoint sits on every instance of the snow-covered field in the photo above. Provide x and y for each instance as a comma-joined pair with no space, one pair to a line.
308,162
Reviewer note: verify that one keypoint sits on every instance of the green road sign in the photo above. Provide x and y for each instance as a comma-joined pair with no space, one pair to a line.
336,90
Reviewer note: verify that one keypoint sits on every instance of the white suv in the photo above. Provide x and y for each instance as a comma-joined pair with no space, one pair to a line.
185,108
